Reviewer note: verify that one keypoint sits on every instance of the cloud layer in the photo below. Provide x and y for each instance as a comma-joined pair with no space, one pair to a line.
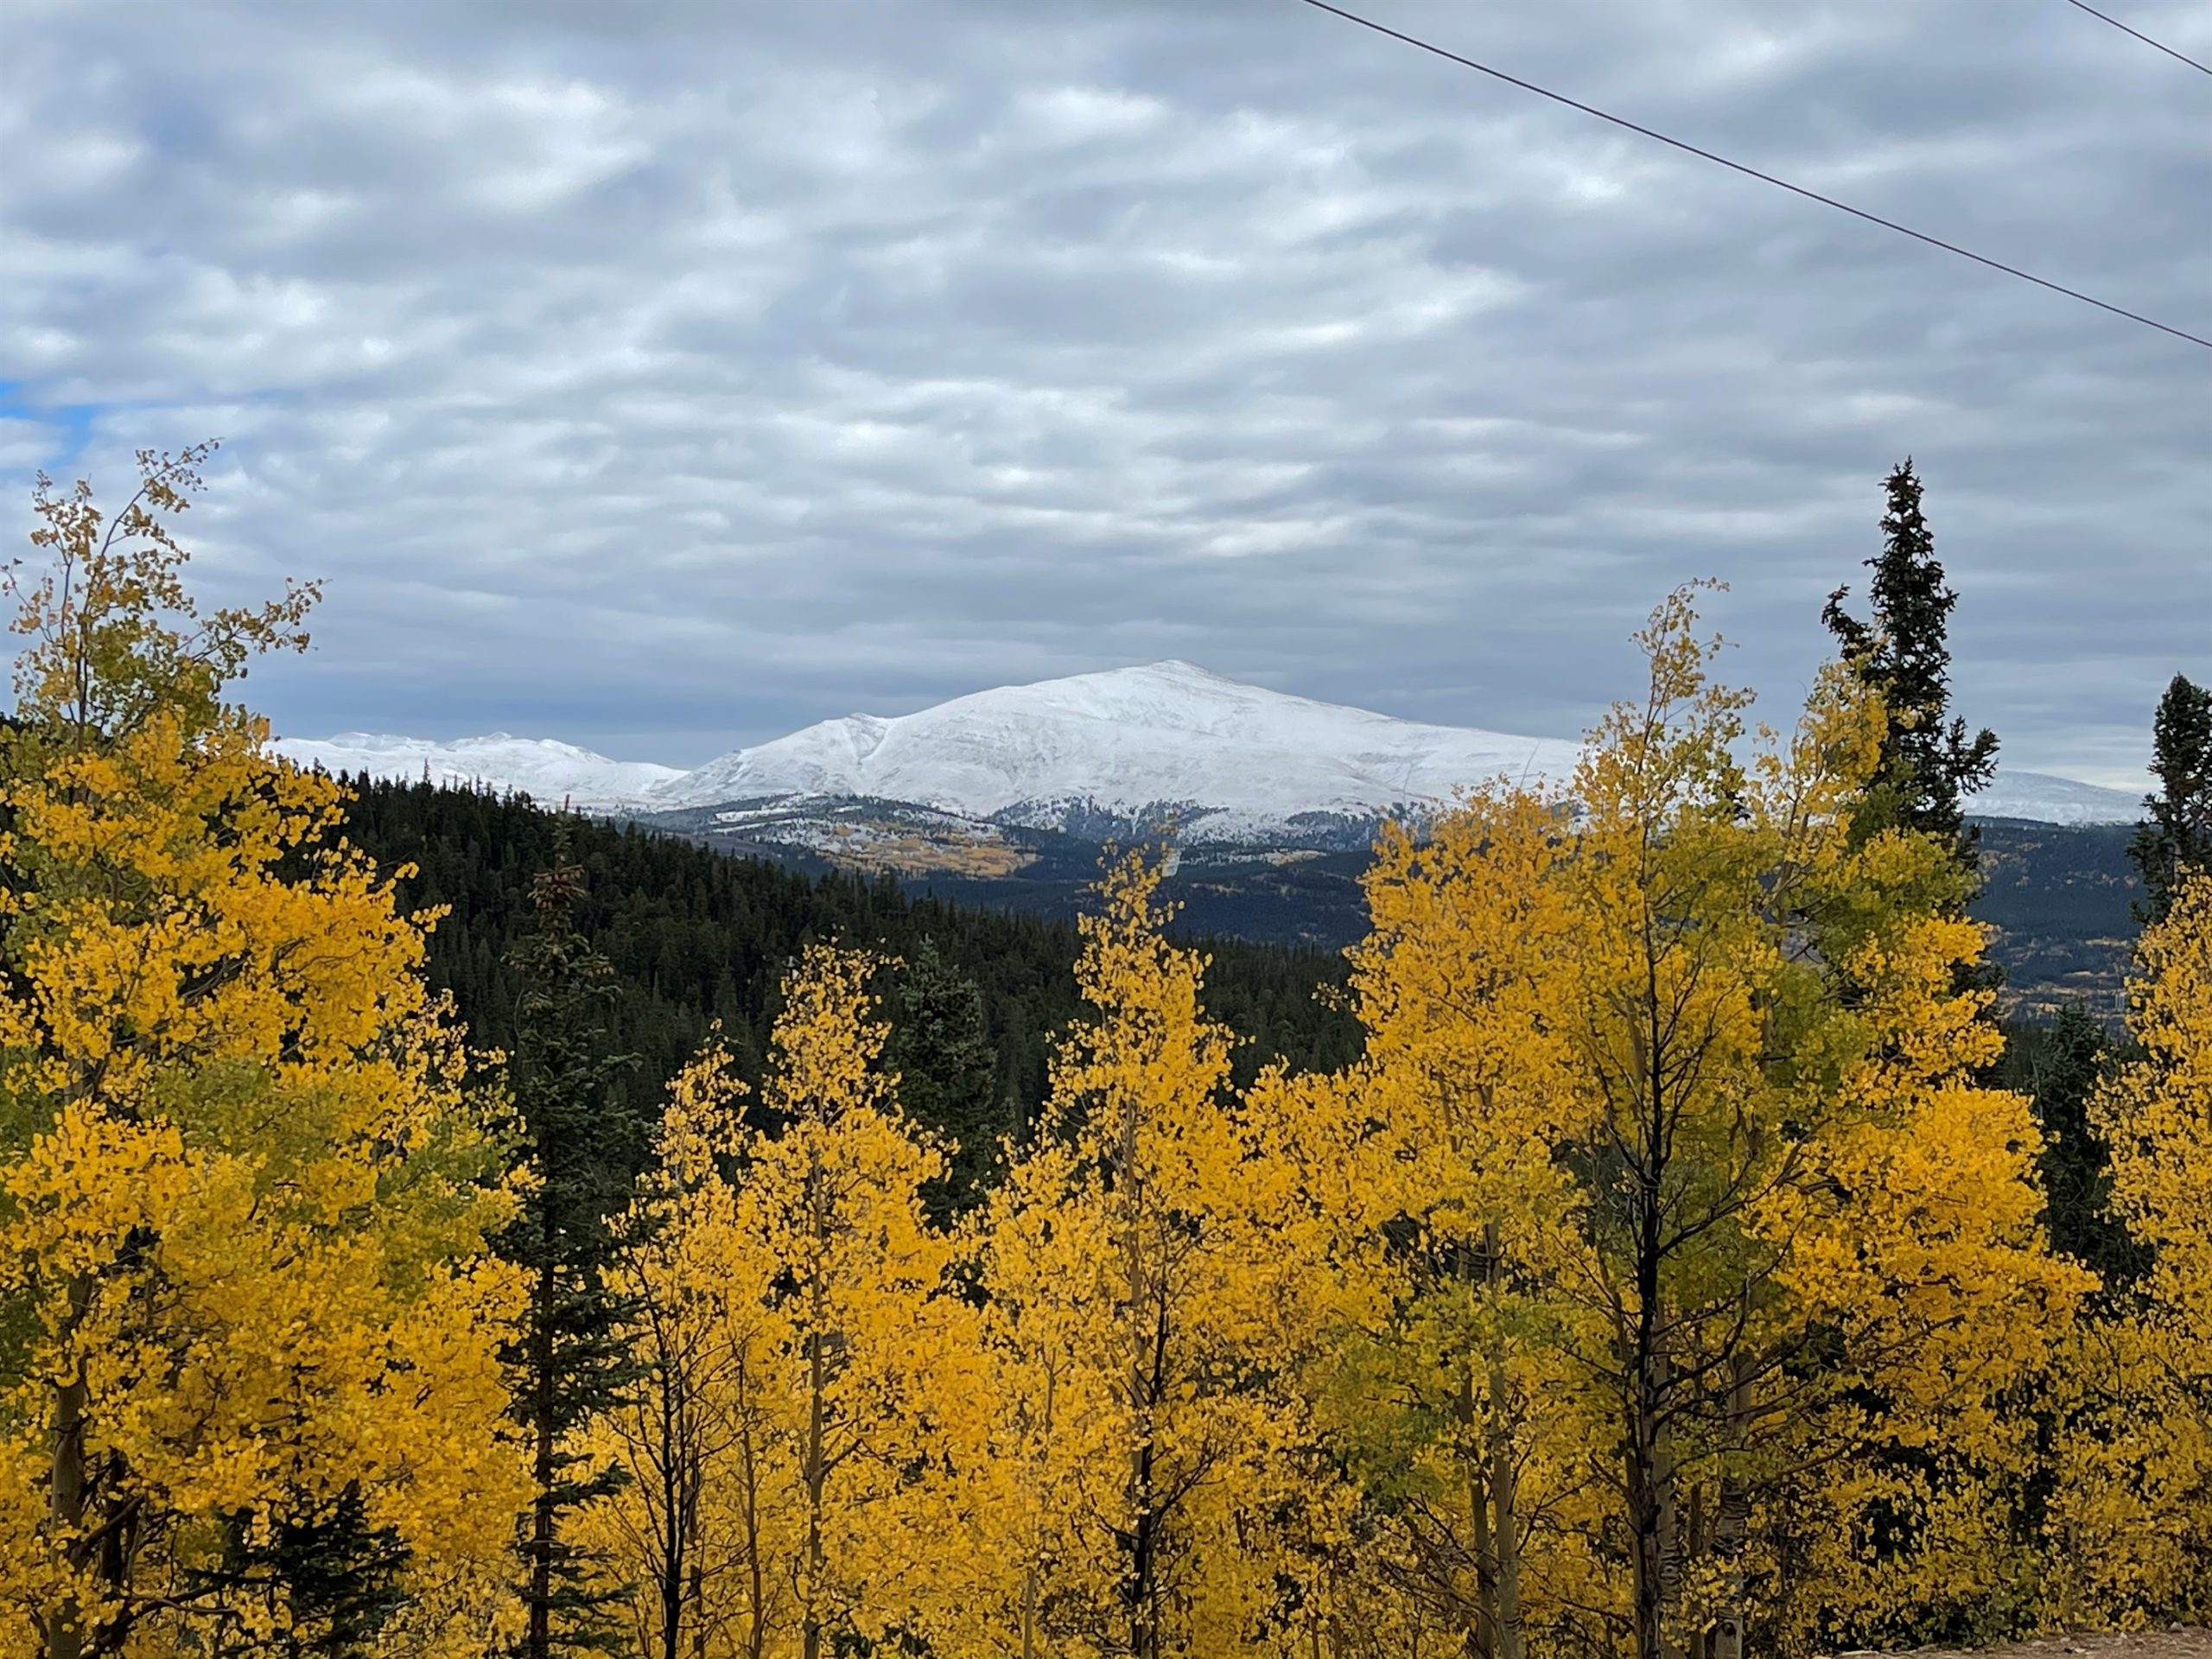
666,376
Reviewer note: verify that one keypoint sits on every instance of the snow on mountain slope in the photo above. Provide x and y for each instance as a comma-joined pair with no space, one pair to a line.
2042,798
1169,732
1241,761
538,767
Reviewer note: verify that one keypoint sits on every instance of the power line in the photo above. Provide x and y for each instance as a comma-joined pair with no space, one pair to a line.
2203,69
1763,178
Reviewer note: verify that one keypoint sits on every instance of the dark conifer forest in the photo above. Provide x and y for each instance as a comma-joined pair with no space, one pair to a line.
697,937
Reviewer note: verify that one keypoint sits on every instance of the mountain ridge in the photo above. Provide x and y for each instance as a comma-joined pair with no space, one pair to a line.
1234,763
544,768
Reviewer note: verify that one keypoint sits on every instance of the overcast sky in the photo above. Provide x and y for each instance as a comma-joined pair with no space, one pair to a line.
664,376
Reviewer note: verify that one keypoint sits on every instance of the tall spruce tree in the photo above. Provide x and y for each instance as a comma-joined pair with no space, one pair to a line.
2061,1066
338,1577
569,1359
940,1047
1930,762
2176,837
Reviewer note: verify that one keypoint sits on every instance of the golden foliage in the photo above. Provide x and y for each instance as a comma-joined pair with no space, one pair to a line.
797,1317
2133,1516
1664,1279
246,1184
1670,1096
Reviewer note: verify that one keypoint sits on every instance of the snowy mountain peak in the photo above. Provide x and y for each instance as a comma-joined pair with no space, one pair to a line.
540,767
1235,762
1174,670
2040,798
1241,759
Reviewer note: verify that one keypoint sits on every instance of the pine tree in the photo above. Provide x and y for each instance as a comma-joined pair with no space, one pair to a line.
2067,1063
569,1359
342,1578
1928,766
940,1049
2176,837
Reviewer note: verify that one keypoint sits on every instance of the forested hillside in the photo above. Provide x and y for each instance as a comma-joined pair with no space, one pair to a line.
2062,900
2059,897
696,936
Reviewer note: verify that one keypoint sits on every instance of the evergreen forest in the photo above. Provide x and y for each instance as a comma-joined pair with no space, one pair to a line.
696,938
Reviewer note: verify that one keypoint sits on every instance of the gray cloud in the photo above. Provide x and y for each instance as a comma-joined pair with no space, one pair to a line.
666,376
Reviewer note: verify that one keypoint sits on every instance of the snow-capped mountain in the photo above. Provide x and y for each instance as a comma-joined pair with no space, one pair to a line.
1239,762
1226,761
544,770
2042,798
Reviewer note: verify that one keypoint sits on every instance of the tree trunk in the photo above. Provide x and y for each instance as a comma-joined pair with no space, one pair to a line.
1649,1570
1477,1627
537,1641
1734,1522
1653,1531
1144,1549
1143,1381
1509,1642
676,1544
1478,1634
756,1569
1654,1521
811,1639
1032,1590
817,1469
64,1630
1506,1532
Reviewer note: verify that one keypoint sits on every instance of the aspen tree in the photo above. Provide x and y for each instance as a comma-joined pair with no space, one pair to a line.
1472,1082
1703,1053
2134,1524
1036,1460
244,1182
1921,1281
1130,1318
1320,1201
1801,1198
793,1305
709,1524
837,1197
2155,1112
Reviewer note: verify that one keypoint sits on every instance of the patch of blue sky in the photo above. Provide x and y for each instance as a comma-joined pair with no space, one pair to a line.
65,428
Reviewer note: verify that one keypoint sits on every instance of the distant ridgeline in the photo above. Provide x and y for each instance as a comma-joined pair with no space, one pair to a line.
696,936
2059,898
2062,900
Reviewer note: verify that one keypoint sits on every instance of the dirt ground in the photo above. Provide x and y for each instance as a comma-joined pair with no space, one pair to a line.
2181,1643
